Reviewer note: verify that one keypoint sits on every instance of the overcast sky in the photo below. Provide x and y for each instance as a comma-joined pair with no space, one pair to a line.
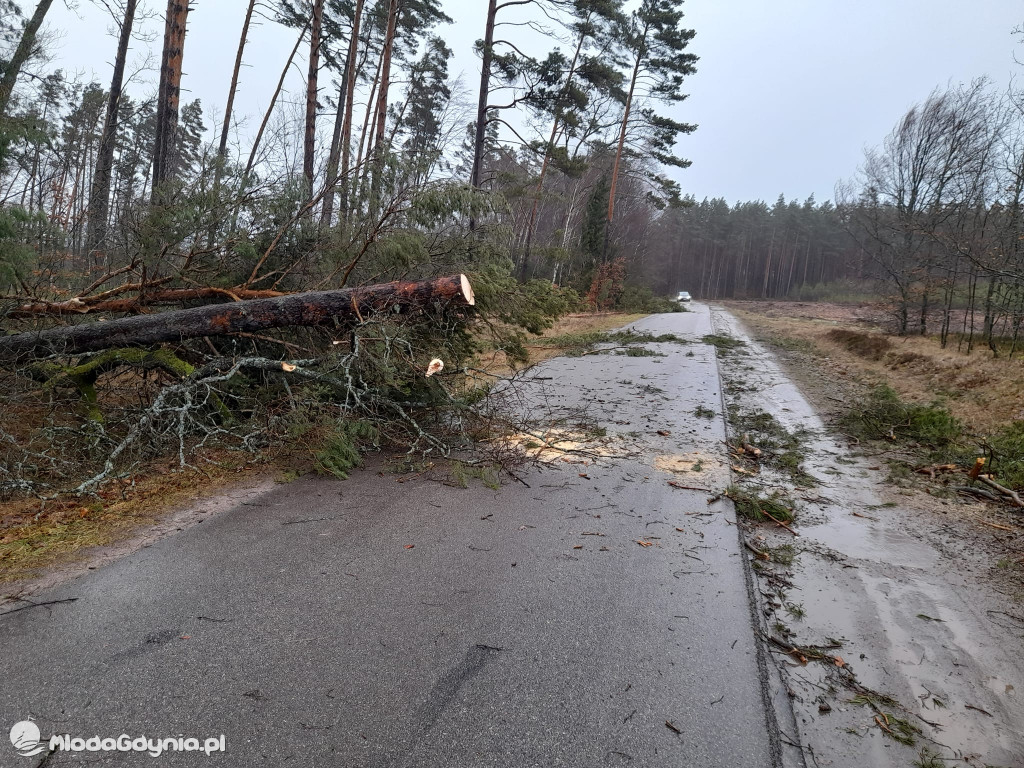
787,93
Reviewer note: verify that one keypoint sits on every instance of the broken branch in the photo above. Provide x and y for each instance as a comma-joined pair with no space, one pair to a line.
1012,495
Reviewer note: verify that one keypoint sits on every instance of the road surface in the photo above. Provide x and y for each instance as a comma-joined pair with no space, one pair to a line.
526,626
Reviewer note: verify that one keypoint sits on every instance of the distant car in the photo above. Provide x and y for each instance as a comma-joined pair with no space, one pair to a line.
683,296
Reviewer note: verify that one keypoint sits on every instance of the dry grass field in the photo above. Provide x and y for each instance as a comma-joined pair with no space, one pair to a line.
984,392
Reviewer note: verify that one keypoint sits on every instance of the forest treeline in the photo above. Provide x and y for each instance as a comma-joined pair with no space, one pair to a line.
932,222
549,171
754,250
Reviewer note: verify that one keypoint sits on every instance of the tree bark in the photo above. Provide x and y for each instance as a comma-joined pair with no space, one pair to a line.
385,78
114,302
309,143
21,54
351,73
622,143
346,307
331,177
550,145
371,100
481,110
168,97
222,148
99,196
379,143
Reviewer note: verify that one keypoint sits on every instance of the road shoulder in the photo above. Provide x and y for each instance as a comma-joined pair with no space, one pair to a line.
889,644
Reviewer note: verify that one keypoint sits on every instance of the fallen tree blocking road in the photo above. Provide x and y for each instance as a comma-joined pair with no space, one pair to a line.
112,301
345,306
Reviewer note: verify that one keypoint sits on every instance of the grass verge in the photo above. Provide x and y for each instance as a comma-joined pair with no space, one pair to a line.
782,450
34,537
939,404
722,343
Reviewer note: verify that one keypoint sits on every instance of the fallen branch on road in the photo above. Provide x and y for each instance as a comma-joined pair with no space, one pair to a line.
39,605
674,484
779,522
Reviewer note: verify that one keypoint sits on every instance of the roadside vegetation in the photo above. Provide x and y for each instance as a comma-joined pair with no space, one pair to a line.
760,509
936,405
122,202
764,439
722,343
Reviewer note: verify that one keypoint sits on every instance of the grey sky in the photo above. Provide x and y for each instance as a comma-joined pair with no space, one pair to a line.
787,93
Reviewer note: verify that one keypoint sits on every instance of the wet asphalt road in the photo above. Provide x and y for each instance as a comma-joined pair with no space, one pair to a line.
300,627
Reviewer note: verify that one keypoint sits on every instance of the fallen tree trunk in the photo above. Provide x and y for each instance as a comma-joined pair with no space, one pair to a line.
134,305
344,307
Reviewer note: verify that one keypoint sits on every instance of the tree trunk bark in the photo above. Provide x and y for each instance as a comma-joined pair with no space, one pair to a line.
768,267
351,72
169,96
385,78
309,143
550,145
379,142
476,177
21,53
990,317
345,307
370,108
222,148
331,177
99,196
925,306
621,146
